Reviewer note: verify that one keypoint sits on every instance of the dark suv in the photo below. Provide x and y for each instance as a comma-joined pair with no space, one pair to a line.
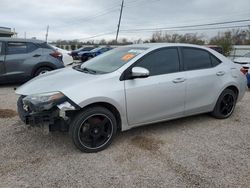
23,59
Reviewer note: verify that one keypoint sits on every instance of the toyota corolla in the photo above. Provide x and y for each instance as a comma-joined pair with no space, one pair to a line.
131,86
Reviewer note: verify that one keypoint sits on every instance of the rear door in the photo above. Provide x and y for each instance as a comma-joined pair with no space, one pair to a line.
19,59
205,75
161,95
2,59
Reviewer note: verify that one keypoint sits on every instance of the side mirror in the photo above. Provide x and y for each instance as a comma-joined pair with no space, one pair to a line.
139,72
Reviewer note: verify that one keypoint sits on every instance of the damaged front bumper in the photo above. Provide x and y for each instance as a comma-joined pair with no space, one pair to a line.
56,118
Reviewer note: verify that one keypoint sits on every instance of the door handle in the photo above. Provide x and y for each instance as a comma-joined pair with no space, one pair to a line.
220,73
179,80
36,55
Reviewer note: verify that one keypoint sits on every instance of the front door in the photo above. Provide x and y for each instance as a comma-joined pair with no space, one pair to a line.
2,59
161,95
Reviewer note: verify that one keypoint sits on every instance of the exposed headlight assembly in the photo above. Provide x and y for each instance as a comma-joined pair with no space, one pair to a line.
43,101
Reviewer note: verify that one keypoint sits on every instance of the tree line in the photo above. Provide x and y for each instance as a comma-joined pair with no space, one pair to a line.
223,39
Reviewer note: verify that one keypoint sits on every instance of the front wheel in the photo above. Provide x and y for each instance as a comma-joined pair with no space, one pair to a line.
93,129
225,104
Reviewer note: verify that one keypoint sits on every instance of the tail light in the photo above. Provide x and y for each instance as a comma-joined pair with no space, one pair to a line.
244,70
56,54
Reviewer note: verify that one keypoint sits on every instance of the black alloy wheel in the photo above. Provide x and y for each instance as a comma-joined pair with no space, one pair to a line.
225,104
93,129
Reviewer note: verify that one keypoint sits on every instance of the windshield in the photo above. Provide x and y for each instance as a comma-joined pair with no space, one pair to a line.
112,60
96,49
247,54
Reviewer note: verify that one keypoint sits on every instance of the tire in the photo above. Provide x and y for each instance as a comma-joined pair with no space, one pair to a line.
93,129
225,104
42,70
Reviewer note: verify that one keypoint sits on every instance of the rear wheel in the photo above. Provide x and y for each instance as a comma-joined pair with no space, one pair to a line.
93,129
225,104
42,70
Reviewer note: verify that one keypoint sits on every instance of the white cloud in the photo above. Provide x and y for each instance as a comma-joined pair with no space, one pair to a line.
71,19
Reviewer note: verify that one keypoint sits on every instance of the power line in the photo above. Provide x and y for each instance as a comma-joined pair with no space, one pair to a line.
193,29
97,35
233,16
87,19
187,26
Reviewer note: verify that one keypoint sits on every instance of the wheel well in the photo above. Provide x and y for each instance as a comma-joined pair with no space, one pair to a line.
42,66
112,109
234,89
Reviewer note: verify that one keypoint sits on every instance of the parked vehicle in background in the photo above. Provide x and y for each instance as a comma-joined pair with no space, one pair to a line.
84,56
216,48
131,86
74,53
248,79
245,62
66,57
23,59
245,59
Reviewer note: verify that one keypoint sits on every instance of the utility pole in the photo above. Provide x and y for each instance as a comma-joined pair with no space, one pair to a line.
119,23
25,34
47,33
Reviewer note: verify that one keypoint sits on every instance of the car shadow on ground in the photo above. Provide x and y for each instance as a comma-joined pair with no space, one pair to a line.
62,141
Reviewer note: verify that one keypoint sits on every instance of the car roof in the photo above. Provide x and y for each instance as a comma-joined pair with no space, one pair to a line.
160,45
8,39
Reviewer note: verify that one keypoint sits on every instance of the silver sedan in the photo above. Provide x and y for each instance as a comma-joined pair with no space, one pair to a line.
131,86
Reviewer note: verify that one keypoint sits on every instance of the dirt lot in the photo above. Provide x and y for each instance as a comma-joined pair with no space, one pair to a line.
192,152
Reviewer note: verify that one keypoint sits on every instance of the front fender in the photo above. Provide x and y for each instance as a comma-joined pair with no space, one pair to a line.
120,106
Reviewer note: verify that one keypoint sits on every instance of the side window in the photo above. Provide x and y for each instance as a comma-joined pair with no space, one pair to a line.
162,61
44,45
31,47
196,59
1,48
103,50
16,48
215,60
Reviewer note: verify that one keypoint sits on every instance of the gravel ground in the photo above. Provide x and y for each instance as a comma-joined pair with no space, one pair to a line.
198,151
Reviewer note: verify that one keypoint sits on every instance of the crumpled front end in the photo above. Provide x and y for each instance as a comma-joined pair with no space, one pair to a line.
46,110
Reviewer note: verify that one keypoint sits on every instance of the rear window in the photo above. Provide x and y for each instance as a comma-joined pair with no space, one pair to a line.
45,45
16,48
31,47
215,60
88,48
196,59
21,47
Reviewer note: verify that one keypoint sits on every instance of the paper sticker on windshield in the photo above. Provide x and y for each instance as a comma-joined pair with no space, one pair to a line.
127,57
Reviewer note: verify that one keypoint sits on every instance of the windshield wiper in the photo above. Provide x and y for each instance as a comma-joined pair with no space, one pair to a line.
88,70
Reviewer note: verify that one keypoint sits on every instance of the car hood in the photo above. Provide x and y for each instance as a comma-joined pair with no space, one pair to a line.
58,80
